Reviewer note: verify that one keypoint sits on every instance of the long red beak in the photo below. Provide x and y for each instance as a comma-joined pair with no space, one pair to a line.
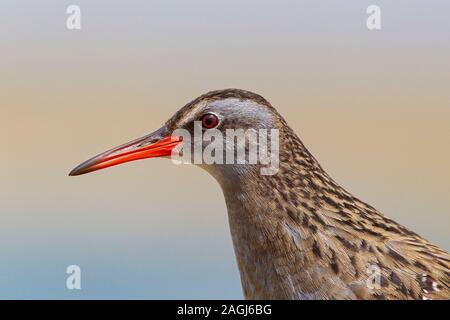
150,146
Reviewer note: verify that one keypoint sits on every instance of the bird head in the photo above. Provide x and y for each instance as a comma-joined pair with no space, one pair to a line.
216,112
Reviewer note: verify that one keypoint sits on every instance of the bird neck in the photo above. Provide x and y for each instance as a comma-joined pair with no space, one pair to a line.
268,217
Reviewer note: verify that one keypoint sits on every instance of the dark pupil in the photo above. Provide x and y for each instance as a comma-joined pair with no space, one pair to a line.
208,121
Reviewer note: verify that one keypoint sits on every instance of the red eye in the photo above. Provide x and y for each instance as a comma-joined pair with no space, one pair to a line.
209,121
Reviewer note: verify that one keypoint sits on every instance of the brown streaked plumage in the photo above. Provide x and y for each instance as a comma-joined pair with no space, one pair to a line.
298,234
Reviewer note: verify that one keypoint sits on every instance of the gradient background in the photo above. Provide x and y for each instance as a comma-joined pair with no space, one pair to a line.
372,106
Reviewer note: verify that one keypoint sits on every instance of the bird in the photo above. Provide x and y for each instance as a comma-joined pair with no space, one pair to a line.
297,234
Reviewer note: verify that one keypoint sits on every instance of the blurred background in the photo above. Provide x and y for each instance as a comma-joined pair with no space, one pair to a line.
372,106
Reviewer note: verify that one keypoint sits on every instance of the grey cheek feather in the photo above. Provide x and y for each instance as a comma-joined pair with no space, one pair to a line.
241,109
